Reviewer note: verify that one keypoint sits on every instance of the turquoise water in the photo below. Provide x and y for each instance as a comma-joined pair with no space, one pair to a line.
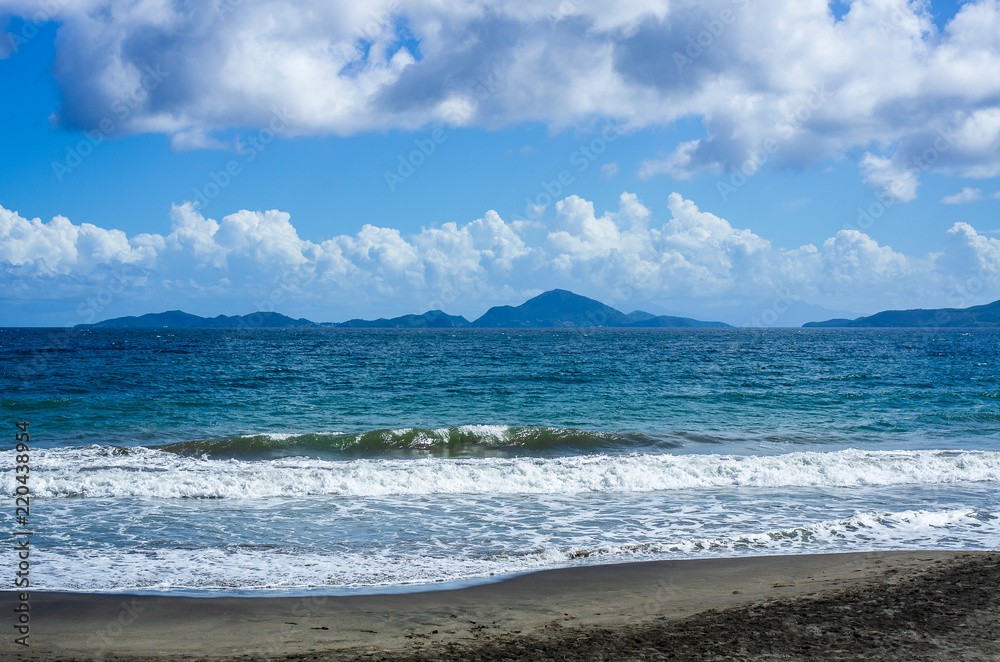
284,461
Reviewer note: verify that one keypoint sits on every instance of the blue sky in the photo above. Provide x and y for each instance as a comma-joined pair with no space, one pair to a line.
710,159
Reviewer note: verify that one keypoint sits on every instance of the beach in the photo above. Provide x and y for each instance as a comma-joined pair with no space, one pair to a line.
928,605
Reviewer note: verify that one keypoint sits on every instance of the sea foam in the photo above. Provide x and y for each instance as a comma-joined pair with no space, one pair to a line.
276,571
96,471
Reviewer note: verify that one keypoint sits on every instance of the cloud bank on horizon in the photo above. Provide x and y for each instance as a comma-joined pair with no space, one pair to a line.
692,258
882,85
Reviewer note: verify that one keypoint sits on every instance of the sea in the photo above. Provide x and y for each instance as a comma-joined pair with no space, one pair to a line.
296,461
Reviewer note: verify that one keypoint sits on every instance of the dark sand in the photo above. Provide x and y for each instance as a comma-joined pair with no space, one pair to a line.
871,606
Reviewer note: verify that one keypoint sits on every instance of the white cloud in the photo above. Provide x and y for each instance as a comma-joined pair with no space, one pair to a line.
689,258
609,170
965,196
969,253
61,248
895,182
852,258
883,79
978,136
677,165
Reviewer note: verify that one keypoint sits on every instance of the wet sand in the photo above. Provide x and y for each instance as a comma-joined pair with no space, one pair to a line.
877,605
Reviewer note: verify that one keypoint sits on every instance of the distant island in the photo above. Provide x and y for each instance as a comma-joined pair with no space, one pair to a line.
178,319
561,308
432,319
987,315
552,309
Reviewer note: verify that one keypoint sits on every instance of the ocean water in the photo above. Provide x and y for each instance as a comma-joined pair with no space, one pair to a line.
267,462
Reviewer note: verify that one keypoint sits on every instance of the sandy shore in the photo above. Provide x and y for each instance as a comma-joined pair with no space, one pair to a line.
879,605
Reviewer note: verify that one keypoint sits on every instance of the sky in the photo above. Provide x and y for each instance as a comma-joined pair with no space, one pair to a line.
758,163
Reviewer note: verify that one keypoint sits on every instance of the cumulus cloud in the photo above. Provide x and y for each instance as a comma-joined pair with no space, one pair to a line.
882,79
967,253
965,196
61,248
629,256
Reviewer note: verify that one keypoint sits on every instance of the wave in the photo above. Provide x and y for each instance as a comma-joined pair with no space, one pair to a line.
101,471
463,441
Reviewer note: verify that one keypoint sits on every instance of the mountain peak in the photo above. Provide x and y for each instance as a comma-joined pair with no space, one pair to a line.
562,308
555,308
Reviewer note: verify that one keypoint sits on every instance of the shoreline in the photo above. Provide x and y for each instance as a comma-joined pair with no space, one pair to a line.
565,609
